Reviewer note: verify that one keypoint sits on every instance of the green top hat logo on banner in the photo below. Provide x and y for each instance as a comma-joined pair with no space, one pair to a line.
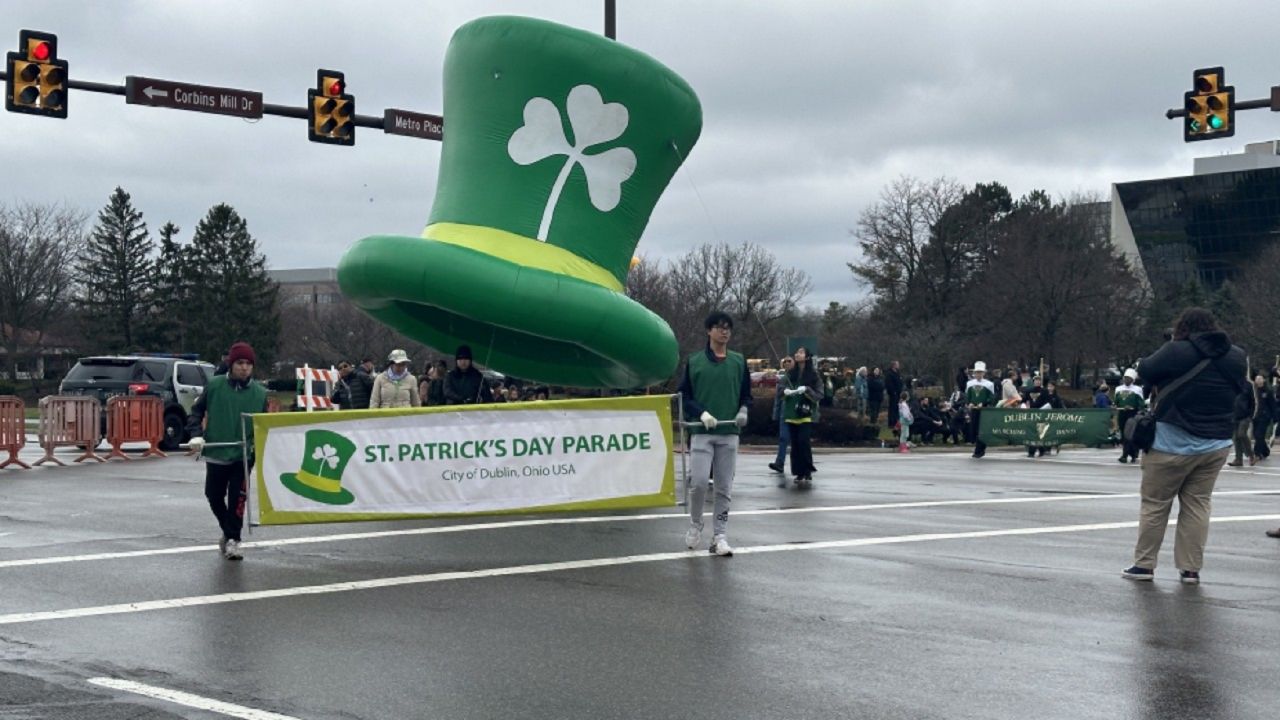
323,459
559,144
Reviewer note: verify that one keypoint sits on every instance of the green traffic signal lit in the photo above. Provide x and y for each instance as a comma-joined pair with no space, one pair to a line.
1195,125
1215,122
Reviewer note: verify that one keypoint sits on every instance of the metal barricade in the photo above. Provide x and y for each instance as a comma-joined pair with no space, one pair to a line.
69,421
13,429
135,418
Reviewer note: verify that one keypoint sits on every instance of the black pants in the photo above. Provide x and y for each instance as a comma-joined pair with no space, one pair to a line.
975,418
802,449
1122,418
893,412
873,412
225,488
1260,447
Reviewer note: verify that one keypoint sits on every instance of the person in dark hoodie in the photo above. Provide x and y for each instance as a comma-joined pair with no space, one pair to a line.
465,385
1194,426
360,385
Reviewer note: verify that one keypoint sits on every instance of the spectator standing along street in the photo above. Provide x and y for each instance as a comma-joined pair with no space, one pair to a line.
1193,436
784,430
395,387
893,389
361,384
1263,418
860,390
465,385
435,391
875,395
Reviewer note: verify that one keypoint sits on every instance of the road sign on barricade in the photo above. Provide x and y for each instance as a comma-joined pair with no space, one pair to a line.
69,421
307,399
13,429
135,418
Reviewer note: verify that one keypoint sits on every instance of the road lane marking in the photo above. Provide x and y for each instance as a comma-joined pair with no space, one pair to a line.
224,598
187,699
436,530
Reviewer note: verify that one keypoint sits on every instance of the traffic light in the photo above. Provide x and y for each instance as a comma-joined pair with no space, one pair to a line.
36,80
1211,107
332,110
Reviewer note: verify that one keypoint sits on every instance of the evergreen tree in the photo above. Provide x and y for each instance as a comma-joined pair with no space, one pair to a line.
230,294
116,275
170,312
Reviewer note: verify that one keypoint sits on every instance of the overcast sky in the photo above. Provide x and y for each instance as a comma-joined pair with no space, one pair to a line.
809,109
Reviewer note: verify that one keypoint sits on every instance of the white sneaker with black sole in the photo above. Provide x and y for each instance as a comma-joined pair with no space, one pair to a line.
720,546
232,551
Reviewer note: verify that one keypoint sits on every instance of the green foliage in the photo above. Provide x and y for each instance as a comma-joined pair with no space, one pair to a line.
116,276
7,388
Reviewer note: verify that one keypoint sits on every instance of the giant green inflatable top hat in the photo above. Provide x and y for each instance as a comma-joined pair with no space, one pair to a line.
559,144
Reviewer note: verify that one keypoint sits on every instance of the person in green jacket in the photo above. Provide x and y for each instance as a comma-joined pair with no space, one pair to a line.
716,392
221,403
979,393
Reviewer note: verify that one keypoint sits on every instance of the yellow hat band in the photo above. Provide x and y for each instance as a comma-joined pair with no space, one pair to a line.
523,251
322,484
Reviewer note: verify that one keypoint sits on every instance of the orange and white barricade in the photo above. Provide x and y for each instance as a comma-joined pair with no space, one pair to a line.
67,420
308,400
13,429
135,418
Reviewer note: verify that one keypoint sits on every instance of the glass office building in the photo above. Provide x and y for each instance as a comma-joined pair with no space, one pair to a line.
1207,226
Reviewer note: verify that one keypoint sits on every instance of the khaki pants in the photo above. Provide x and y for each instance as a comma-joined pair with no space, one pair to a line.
1190,479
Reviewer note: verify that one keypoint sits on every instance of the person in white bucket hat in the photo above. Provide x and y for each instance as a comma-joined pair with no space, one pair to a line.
979,393
395,387
1129,401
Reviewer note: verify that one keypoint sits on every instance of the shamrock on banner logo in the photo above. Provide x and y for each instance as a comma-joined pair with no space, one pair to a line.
593,122
326,455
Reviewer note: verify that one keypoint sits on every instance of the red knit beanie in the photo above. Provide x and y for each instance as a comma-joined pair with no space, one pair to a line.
241,351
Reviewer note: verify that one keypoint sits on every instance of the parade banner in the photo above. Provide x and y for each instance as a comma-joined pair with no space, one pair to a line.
463,460
1007,426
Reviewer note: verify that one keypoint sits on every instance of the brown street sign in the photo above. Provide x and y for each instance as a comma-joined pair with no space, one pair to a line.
420,125
187,96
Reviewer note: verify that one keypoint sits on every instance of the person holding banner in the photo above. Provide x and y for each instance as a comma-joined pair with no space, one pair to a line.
978,393
221,403
715,391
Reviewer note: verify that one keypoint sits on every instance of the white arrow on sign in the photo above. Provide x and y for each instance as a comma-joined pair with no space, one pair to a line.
151,92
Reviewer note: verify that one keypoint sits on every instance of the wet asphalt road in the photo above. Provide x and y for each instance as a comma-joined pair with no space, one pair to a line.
994,594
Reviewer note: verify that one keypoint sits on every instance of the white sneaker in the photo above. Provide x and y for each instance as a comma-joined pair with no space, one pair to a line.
692,537
232,551
720,546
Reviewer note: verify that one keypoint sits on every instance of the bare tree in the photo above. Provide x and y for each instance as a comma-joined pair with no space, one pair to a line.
894,234
38,247
1257,326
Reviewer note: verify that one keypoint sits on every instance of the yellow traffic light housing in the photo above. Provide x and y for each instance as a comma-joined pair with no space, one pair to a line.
36,80
1210,107
332,111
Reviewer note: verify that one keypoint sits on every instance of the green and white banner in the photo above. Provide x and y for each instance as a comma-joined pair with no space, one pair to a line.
462,460
1005,426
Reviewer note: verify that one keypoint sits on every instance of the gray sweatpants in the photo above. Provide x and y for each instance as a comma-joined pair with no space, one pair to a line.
718,454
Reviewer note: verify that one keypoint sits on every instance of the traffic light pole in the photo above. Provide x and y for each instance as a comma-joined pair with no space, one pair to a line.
288,111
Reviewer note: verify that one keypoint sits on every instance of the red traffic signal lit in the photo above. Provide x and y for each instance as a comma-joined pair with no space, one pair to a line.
331,110
36,80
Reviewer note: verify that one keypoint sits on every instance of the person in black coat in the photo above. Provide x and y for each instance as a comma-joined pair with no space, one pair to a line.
1194,426
360,385
465,385
875,395
893,388
1263,417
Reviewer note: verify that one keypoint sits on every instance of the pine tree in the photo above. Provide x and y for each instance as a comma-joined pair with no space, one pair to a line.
116,275
230,291
170,312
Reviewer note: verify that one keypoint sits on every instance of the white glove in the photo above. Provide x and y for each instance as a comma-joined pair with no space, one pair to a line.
708,420
741,418
793,391
196,444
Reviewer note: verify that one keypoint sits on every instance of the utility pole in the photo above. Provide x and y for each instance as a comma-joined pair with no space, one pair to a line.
610,19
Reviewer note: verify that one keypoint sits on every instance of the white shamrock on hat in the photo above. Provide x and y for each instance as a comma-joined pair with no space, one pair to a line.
327,454
593,122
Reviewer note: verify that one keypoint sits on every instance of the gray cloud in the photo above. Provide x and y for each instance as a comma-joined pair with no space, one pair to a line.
809,109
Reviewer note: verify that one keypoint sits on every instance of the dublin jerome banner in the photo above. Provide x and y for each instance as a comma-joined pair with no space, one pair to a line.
396,464
1084,426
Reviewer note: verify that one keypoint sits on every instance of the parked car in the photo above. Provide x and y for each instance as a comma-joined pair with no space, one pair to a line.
177,379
